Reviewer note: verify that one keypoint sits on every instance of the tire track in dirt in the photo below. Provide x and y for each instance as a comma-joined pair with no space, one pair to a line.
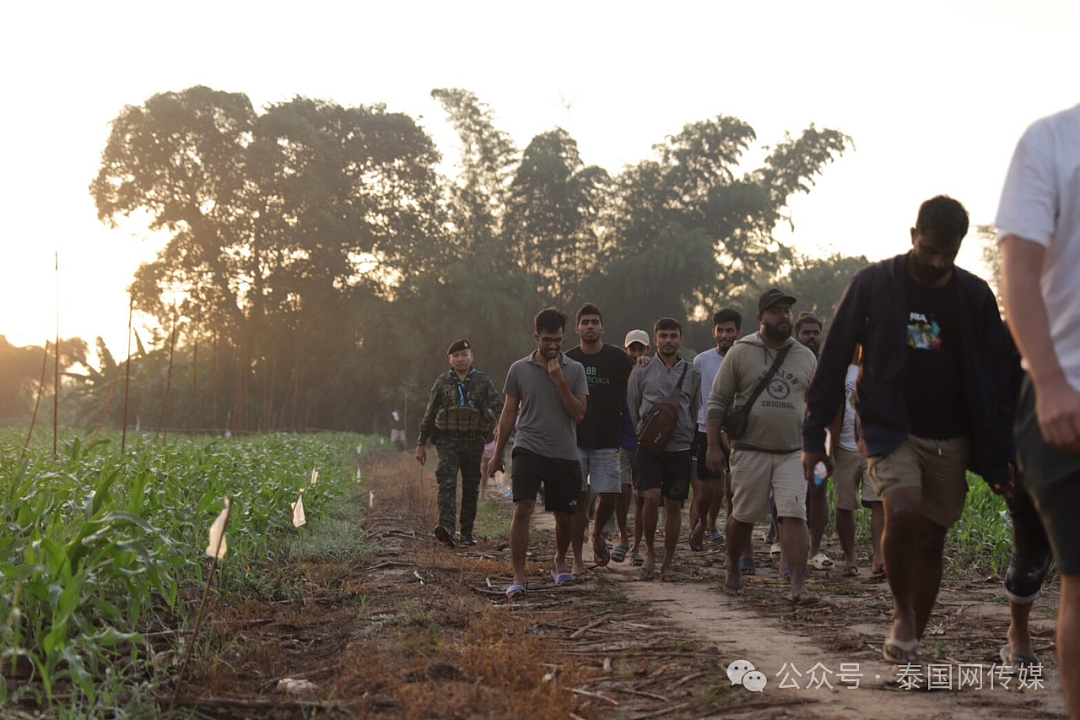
741,629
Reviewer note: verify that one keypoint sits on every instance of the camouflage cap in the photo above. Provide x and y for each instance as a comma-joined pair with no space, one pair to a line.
459,346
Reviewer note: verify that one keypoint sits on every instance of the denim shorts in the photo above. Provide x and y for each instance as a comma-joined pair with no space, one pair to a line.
600,468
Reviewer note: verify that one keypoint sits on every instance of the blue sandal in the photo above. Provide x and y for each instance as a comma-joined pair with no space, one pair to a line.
618,554
562,578
747,566
516,591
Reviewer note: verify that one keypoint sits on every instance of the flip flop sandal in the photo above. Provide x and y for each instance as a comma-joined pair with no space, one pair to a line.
851,571
716,536
747,566
639,560
821,561
733,590
806,600
1017,661
562,578
619,553
516,591
699,547
900,652
604,558
647,574
785,573
774,551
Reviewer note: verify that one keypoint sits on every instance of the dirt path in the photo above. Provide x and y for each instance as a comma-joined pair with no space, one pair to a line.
767,631
408,628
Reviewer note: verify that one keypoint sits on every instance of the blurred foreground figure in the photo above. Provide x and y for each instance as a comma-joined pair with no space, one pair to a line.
1039,233
931,403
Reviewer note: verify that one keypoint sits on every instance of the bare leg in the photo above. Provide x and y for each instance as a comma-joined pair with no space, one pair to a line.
795,541
581,523
605,508
927,581
639,523
519,538
699,512
672,528
716,504
877,529
622,511
738,539
903,519
564,529
845,530
1019,631
649,520
1068,641
819,515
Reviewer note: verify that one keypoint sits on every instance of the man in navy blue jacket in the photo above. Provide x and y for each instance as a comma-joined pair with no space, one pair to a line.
932,402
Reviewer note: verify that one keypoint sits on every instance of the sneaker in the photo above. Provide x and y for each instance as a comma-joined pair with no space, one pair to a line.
468,539
444,536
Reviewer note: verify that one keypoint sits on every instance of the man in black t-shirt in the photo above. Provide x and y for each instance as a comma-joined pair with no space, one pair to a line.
930,403
607,369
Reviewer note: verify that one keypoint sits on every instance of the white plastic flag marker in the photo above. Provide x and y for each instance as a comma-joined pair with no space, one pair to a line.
357,473
371,498
418,576
298,518
315,476
359,449
219,544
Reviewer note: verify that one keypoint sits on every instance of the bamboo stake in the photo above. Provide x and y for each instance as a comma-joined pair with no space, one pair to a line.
202,605
164,419
127,373
56,366
214,386
40,392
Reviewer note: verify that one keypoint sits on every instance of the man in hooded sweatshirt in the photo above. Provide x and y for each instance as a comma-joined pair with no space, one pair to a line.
766,457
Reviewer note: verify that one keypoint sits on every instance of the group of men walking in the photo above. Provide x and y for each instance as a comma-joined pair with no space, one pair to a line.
917,383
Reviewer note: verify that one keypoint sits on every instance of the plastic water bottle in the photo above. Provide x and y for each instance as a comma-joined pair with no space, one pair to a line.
819,474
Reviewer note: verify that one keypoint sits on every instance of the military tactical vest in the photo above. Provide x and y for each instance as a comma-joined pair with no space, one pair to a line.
464,409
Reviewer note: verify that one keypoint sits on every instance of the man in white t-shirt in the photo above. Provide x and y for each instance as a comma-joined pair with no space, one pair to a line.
709,487
1039,232
849,474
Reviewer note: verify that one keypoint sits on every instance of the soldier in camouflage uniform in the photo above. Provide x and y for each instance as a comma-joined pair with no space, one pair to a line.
460,417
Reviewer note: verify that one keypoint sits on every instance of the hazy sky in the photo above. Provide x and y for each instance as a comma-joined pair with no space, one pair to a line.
935,95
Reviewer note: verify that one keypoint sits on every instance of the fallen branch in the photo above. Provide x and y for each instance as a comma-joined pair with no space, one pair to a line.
578,633
598,696
256,704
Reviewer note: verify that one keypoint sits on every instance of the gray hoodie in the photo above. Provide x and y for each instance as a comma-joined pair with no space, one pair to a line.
652,383
776,418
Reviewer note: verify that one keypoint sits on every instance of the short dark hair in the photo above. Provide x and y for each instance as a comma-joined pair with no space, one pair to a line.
588,309
727,315
666,323
942,218
807,318
549,320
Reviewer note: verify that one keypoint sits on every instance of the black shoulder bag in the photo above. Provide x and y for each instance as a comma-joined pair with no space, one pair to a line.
736,419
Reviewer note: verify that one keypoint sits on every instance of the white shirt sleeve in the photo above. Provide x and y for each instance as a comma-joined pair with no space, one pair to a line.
1029,200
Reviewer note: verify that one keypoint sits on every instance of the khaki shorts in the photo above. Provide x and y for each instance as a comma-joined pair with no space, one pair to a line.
754,474
851,472
938,467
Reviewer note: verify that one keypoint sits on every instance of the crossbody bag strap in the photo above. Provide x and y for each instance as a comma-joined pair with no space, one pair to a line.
768,376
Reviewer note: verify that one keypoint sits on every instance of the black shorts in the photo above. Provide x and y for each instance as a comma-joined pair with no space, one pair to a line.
701,470
1052,478
561,480
667,471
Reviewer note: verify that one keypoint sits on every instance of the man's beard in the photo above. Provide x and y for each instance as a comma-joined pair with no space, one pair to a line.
775,333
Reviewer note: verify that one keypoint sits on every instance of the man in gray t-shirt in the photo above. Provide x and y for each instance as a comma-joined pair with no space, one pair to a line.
545,395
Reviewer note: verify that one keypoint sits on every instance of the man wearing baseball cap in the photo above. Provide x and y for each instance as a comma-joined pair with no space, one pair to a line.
636,345
766,453
461,414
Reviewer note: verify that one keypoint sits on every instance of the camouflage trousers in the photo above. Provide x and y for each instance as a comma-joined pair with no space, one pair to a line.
458,454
